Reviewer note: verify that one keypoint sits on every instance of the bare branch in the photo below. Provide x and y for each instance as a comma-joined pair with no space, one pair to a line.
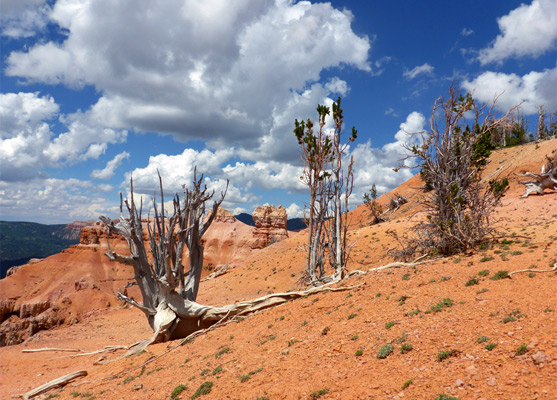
146,310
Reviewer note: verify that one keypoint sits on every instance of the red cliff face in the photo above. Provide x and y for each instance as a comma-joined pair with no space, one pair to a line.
270,224
61,288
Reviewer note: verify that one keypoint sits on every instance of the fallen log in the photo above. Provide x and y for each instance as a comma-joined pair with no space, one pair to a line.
547,179
59,382
534,270
49,349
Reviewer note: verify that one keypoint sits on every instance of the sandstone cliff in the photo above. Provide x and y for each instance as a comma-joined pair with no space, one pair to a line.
61,288
270,224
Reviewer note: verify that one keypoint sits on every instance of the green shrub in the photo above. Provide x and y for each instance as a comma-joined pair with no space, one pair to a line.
439,306
406,384
483,272
390,324
500,275
443,355
177,390
513,316
220,353
352,316
443,396
204,389
521,350
318,393
359,352
246,378
483,339
472,282
385,351
405,348
486,258
292,341
490,346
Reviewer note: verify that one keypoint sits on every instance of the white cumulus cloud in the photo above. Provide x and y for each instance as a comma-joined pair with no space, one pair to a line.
28,143
532,90
226,72
375,165
529,30
294,211
23,18
54,200
111,167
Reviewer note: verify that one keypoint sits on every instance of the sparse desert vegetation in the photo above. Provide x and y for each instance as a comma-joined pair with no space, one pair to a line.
484,311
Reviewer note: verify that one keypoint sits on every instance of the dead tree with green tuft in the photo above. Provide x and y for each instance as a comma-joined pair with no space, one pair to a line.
451,159
330,186
169,286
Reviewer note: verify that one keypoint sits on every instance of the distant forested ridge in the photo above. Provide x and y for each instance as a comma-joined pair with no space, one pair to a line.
293,224
21,241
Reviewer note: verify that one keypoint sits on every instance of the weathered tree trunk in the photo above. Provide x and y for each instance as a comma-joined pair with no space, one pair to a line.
540,133
168,293
547,179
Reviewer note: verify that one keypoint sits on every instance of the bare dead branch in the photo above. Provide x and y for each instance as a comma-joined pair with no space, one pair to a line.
59,382
535,270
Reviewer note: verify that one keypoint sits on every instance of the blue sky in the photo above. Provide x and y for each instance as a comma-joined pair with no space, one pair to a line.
93,92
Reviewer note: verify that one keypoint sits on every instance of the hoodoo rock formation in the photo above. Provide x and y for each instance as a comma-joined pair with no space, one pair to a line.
270,224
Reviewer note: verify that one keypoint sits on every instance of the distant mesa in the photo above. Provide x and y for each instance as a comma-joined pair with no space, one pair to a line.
22,241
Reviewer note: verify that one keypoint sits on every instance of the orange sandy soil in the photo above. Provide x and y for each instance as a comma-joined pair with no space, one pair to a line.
304,346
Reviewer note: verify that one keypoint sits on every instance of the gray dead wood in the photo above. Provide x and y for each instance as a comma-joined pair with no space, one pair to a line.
48,349
221,271
544,180
59,382
394,265
107,349
168,290
534,270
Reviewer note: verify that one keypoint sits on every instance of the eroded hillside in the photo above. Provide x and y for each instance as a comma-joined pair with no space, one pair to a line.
446,326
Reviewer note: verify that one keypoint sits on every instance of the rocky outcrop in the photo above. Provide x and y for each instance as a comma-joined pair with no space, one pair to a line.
92,234
21,321
13,270
7,307
270,224
223,215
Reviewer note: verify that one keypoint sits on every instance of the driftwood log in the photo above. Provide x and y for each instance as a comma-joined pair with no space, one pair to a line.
547,179
58,382
49,349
